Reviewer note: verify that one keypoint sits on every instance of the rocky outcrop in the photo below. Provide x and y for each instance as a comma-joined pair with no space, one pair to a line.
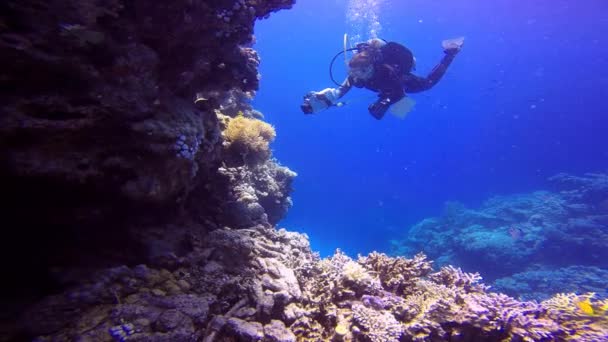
261,284
533,236
229,282
110,139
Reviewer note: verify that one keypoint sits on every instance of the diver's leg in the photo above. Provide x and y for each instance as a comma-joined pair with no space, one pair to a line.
385,100
379,108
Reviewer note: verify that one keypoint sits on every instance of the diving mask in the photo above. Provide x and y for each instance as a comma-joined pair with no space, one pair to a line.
361,73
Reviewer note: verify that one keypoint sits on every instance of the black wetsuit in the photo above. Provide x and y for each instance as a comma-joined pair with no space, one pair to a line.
392,83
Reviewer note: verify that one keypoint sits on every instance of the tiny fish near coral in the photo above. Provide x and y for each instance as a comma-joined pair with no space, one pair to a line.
516,233
586,307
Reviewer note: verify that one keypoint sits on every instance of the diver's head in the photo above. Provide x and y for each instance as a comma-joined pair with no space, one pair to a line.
361,66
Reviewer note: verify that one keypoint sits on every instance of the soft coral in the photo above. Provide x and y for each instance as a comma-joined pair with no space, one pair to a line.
250,138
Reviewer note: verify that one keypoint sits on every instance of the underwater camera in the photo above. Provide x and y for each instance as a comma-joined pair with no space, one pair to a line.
306,105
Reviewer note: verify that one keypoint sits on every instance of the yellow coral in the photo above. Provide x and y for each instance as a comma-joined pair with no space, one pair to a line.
341,329
250,138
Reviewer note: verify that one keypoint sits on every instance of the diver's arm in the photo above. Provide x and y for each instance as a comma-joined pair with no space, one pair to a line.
415,84
332,95
344,88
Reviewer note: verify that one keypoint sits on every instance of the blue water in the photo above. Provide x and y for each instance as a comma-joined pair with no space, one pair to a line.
525,99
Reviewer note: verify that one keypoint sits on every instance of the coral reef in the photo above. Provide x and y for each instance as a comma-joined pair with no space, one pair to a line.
525,238
257,194
228,278
262,284
143,198
581,316
537,285
112,150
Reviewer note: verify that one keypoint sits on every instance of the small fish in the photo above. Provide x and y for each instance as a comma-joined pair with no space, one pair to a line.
81,34
516,233
586,307
71,27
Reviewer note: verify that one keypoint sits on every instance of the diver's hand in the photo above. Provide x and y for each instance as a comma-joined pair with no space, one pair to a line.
452,46
317,101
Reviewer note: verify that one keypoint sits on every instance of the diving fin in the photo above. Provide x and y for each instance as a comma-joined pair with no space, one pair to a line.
402,107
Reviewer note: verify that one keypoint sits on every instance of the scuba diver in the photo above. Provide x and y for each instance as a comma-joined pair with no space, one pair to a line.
385,68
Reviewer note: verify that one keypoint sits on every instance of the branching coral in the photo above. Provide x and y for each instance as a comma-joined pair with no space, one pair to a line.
249,138
424,311
378,326
340,300
584,319
408,302
438,311
500,315
323,281
450,275
359,279
397,274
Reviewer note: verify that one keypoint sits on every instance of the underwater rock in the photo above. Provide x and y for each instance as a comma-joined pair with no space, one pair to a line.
509,234
260,193
590,188
111,146
276,331
243,330
111,140
543,283
243,297
173,319
249,261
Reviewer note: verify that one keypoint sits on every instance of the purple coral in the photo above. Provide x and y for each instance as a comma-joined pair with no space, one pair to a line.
373,302
122,332
188,147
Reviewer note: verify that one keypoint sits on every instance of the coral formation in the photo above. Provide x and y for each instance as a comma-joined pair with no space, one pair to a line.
539,284
262,284
249,138
532,242
112,150
257,194
582,323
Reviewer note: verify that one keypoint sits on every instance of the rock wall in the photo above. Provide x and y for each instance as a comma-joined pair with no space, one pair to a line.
109,129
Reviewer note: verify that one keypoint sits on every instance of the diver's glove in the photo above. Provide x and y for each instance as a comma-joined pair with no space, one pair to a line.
317,101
